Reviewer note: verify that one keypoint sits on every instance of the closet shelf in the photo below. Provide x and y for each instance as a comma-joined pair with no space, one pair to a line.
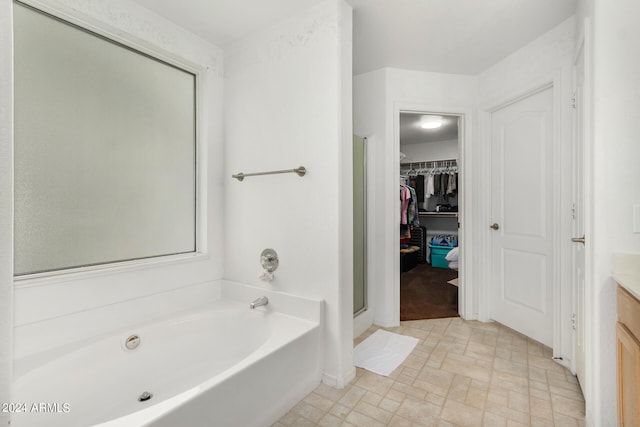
439,214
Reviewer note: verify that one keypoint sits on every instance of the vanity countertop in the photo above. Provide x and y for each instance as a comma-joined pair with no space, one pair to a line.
629,282
626,272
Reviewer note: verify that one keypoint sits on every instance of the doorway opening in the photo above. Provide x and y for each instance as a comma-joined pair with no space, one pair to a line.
430,191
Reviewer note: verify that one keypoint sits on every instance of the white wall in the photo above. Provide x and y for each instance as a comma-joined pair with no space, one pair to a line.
287,104
50,311
430,151
529,65
6,205
615,153
378,97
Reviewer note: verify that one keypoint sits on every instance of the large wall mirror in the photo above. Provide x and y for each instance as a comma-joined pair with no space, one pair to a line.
105,149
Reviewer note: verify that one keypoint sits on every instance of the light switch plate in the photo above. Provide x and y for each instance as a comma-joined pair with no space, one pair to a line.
636,218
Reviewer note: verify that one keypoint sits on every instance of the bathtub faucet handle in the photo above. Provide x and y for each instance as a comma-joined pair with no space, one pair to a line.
258,302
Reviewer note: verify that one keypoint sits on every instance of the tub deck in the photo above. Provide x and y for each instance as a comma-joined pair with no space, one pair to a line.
203,367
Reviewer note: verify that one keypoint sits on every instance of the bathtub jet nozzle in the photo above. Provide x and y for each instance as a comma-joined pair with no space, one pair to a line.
145,396
132,342
258,302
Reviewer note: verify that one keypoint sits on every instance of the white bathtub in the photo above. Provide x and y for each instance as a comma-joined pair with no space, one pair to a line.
221,365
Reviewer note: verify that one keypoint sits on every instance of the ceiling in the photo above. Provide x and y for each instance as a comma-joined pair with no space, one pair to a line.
221,22
448,36
412,133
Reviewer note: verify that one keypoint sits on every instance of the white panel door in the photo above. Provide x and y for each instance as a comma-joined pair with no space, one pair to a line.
578,222
521,209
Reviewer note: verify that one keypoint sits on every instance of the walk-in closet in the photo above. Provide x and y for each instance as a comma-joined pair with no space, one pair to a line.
429,215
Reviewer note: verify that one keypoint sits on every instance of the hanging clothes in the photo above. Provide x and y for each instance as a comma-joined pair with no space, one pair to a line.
405,200
408,212
417,182
444,184
435,182
413,214
405,234
452,184
428,188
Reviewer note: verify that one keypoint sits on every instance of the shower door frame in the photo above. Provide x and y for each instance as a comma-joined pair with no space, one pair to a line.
365,225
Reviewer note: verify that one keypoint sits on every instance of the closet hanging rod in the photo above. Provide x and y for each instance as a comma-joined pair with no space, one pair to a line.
431,163
301,171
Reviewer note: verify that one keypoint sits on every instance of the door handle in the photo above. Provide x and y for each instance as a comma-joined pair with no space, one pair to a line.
578,239
494,226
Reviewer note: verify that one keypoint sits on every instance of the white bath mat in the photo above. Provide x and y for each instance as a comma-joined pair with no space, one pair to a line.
383,351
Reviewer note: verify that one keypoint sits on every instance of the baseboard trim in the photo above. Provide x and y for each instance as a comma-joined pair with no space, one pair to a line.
339,382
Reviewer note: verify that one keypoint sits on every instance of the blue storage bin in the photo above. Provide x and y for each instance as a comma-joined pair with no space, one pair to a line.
450,240
438,254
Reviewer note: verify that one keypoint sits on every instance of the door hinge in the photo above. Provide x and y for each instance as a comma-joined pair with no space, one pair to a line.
573,211
574,101
573,321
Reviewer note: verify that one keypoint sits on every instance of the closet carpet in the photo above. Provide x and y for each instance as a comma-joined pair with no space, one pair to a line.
425,293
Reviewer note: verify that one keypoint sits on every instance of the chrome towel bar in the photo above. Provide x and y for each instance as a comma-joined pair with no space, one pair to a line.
299,170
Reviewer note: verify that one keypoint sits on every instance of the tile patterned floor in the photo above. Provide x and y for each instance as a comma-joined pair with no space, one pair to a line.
461,373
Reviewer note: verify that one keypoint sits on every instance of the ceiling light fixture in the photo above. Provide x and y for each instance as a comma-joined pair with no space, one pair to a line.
430,122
